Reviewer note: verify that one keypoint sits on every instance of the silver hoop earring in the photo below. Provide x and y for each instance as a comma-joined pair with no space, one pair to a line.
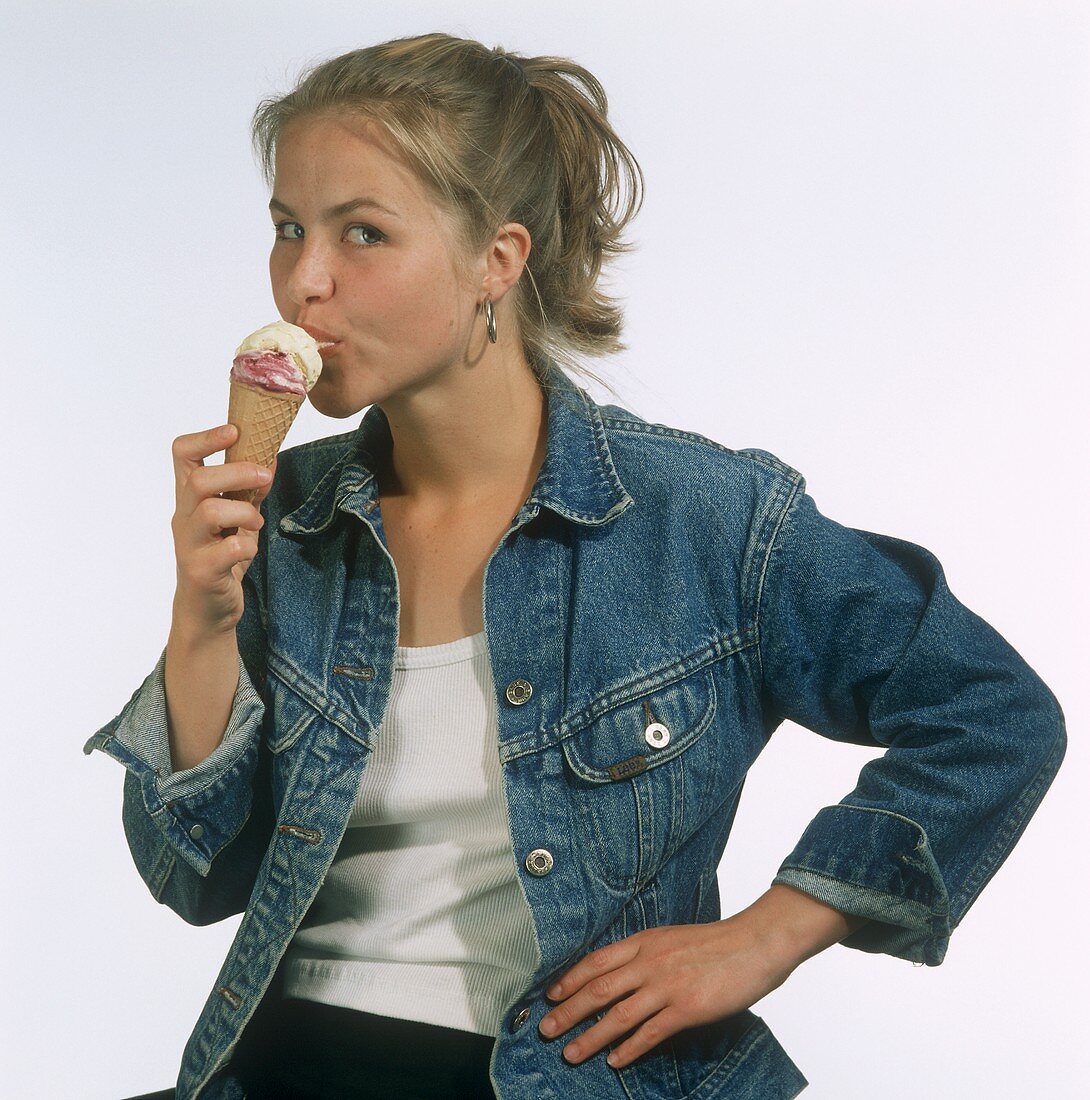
490,319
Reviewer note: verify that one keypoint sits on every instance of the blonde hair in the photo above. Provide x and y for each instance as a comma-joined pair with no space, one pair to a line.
497,137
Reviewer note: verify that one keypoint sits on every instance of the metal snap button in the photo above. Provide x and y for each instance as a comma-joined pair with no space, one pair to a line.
519,691
539,862
520,1019
657,735
196,832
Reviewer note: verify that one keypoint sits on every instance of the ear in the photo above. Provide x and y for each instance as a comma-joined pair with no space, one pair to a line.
506,259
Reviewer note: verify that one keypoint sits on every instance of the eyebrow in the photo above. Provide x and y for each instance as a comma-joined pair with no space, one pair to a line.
338,211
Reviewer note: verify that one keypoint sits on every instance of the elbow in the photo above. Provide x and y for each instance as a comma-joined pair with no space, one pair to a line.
1042,745
1050,740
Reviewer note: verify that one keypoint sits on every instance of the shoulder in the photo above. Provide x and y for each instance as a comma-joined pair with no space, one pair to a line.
651,455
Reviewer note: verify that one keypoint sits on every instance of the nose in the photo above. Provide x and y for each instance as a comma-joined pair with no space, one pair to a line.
310,277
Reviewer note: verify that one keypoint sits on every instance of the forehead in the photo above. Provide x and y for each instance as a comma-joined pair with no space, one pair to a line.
343,156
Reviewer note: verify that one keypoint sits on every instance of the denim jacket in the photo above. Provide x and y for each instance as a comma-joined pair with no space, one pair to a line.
653,578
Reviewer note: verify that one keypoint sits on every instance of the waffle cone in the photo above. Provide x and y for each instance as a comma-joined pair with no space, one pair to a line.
262,419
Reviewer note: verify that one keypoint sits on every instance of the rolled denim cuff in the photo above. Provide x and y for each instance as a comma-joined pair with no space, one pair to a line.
201,809
877,864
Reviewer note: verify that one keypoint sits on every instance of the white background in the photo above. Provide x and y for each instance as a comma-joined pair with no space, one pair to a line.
863,248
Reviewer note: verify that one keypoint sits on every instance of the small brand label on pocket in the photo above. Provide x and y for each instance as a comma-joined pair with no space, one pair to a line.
632,766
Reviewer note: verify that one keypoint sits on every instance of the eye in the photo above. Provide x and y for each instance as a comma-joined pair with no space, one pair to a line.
280,235
364,229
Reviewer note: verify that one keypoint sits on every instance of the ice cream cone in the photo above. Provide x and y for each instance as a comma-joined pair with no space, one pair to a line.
262,418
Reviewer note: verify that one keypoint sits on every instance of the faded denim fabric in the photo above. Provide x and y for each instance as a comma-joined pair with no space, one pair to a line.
652,574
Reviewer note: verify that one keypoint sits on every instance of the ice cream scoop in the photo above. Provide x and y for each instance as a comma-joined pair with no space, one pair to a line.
273,371
281,357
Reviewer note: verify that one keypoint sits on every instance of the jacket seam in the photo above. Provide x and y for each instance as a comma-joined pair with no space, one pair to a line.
645,428
642,427
792,497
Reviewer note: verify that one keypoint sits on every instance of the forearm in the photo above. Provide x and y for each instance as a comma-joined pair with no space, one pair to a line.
201,678
800,926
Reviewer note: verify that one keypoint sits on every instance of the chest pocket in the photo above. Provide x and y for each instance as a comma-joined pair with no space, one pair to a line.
643,776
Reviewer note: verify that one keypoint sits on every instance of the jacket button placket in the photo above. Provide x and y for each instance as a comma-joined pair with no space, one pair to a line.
540,861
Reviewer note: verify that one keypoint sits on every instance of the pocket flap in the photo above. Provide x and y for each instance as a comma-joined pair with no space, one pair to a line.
615,746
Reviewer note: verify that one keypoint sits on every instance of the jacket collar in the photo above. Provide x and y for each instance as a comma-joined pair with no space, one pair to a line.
577,479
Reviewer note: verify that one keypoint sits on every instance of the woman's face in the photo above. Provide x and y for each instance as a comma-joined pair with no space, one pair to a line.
381,283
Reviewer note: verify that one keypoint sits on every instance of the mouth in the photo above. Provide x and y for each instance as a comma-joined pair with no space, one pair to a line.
328,347
323,339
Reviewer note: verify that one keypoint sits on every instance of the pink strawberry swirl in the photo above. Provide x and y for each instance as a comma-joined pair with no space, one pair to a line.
269,370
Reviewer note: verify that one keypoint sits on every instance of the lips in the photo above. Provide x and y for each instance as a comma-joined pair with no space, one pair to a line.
323,339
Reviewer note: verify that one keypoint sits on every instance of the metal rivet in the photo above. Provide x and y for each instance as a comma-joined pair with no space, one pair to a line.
520,1019
539,862
519,691
196,832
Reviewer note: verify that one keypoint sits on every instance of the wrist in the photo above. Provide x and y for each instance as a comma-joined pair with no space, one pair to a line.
190,631
798,926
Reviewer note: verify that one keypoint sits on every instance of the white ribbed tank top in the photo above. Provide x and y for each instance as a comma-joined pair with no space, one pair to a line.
421,915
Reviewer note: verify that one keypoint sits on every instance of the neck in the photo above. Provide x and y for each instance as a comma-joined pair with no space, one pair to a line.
478,434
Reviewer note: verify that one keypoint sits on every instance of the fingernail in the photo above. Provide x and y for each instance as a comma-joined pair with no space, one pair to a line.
264,475
547,1026
554,992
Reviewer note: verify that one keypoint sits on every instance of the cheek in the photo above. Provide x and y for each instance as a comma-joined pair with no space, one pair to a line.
277,281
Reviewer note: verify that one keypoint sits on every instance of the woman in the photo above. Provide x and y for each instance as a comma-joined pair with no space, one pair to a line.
460,719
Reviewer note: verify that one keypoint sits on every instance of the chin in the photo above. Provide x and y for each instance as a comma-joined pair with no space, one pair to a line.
330,404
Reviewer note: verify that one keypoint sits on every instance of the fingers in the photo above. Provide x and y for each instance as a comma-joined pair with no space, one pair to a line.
656,1028
645,1006
194,480
208,570
197,483
206,482
592,997
190,451
263,492
597,962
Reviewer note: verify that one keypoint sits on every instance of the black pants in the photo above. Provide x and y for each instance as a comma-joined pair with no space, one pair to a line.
295,1049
